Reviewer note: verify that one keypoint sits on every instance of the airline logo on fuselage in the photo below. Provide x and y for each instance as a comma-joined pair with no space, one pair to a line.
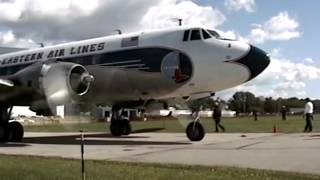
55,53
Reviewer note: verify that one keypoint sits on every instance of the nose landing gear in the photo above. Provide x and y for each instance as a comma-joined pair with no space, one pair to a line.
195,130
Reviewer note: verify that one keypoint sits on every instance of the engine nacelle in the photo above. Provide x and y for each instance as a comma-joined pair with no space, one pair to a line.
64,82
59,82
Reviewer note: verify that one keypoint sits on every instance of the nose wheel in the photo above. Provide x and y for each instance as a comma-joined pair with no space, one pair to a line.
195,131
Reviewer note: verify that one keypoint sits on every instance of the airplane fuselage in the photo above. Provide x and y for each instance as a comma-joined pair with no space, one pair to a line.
149,65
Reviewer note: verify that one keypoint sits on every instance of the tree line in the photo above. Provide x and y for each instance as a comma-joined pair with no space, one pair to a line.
247,102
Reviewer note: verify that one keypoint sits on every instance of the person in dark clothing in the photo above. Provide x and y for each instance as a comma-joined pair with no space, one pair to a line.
255,115
217,118
284,113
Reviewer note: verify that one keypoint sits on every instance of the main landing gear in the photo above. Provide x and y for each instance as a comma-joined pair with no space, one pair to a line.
9,131
120,127
195,130
120,124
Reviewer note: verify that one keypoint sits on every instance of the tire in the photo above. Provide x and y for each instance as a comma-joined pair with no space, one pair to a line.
195,131
4,133
116,128
16,131
127,127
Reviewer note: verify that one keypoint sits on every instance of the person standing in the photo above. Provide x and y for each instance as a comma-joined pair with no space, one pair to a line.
255,115
308,114
217,118
284,113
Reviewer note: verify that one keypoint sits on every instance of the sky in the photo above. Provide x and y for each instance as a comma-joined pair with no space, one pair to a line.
287,30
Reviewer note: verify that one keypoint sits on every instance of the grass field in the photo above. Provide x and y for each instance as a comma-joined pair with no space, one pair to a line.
36,168
293,124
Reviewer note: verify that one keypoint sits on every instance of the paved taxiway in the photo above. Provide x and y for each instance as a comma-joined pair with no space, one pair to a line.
286,152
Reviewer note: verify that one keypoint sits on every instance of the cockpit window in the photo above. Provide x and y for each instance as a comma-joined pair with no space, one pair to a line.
131,41
198,34
195,35
205,34
214,33
186,35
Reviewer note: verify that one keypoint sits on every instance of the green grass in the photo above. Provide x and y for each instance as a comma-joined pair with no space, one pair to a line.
34,168
293,124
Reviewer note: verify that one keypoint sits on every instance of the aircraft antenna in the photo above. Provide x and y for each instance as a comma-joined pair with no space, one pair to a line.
118,31
179,20
41,44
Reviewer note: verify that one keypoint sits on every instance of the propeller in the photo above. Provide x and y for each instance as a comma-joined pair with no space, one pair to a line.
65,83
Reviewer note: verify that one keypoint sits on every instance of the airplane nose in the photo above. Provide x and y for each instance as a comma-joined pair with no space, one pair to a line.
256,60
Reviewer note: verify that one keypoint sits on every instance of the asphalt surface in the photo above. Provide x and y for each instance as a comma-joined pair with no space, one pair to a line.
284,152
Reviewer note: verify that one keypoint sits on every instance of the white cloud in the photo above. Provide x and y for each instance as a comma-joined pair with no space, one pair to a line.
9,39
67,20
54,21
6,37
283,78
237,5
14,10
230,34
164,14
10,11
275,52
279,28
308,61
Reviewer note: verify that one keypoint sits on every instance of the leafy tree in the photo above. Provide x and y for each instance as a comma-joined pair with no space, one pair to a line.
243,102
205,103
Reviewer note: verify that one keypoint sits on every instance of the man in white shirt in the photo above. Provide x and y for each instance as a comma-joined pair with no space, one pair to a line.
308,113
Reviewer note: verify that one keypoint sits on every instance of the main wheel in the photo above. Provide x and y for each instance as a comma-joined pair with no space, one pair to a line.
126,127
116,128
4,133
195,131
16,131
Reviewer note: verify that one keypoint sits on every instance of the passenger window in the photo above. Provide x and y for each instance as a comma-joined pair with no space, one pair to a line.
128,42
186,35
205,34
195,35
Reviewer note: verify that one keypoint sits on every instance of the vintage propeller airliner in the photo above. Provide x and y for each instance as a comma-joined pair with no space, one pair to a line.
135,70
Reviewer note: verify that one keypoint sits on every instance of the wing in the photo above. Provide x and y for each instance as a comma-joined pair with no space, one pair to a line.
6,85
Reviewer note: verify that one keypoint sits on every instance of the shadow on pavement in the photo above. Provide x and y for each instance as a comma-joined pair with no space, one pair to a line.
13,145
147,130
103,139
